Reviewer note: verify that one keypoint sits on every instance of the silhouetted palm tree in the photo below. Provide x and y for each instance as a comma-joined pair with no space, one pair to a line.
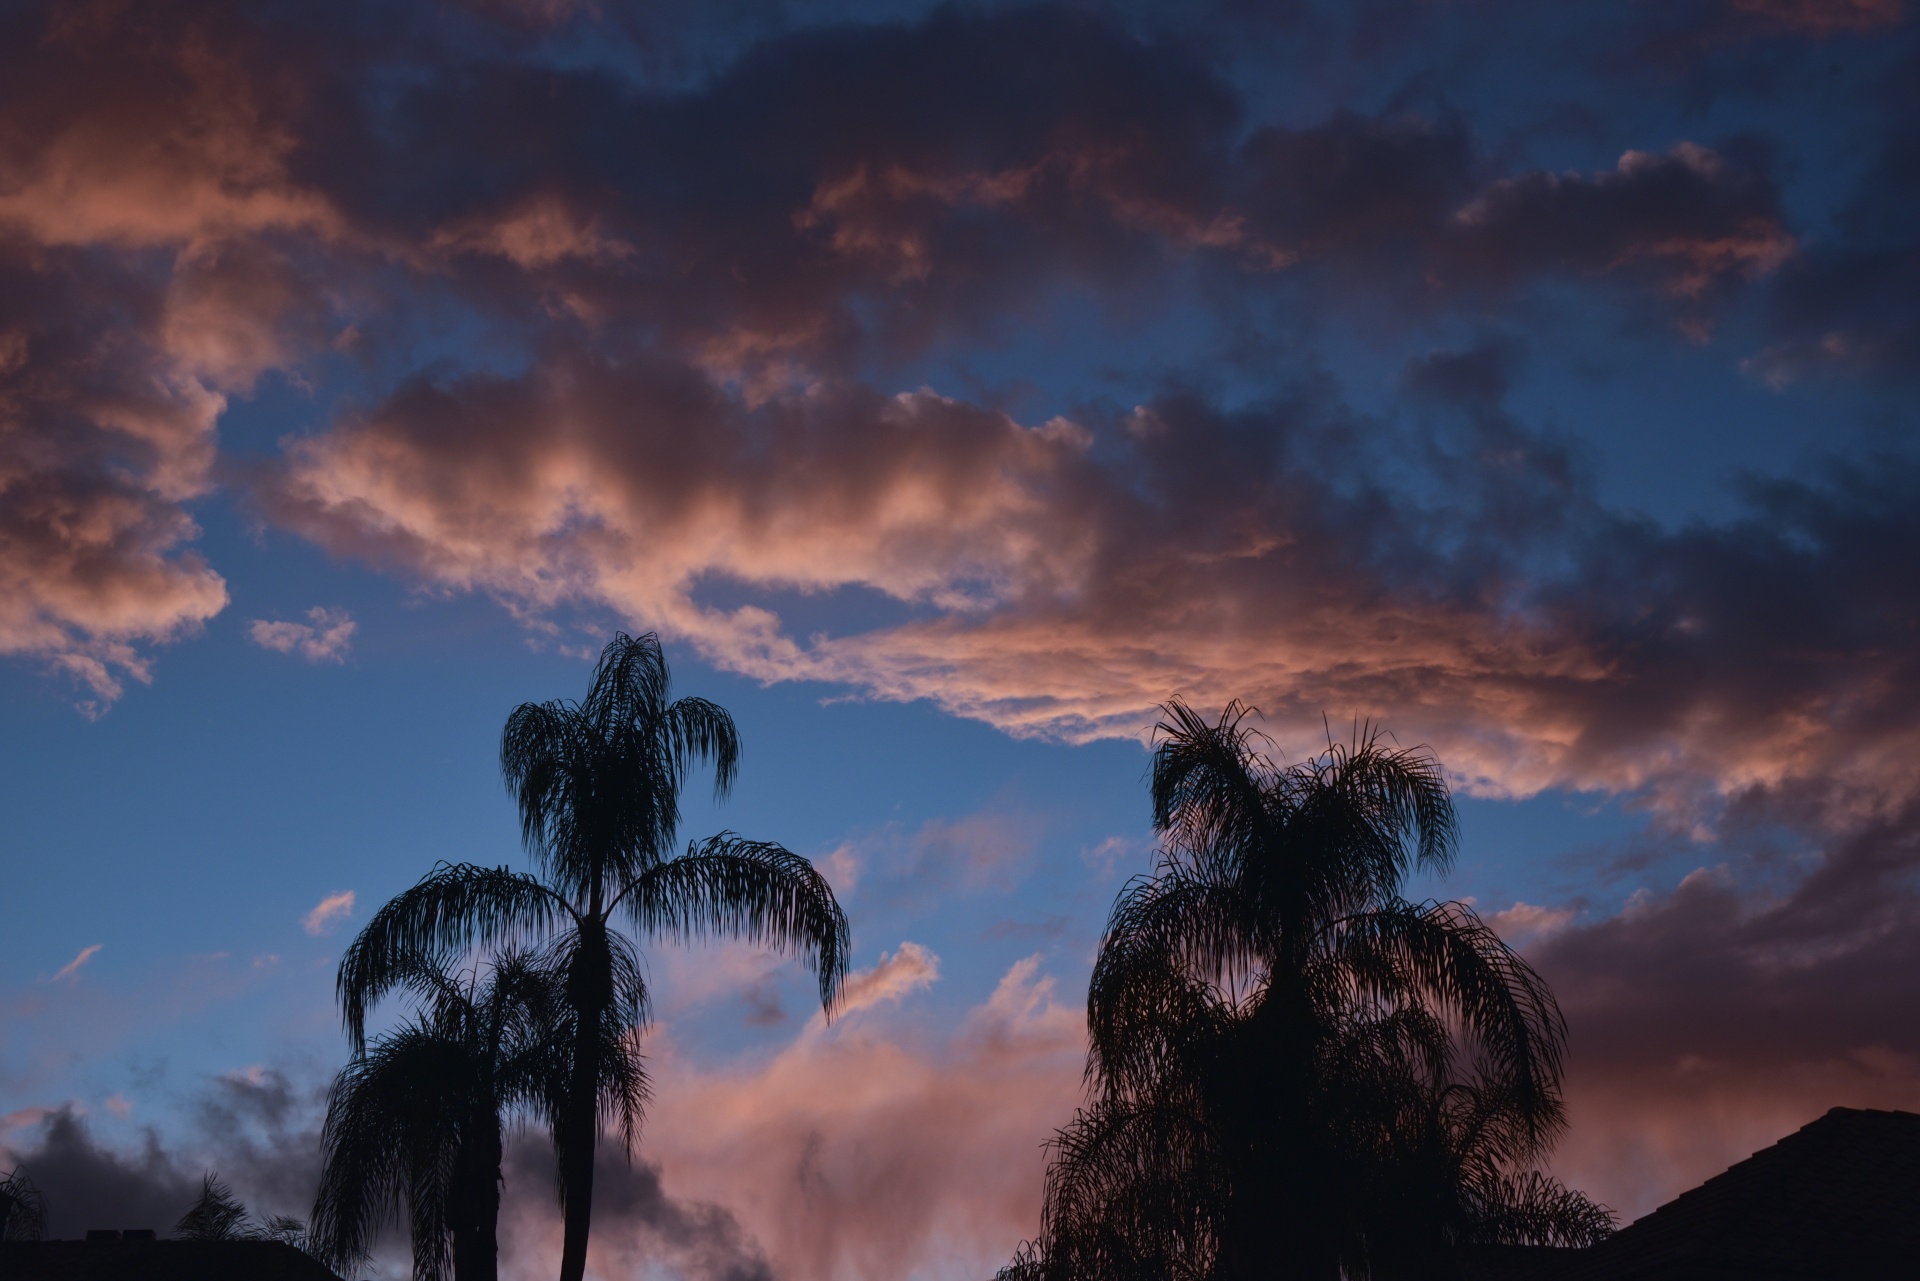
415,1120
597,783
1294,1070
218,1215
23,1211
215,1215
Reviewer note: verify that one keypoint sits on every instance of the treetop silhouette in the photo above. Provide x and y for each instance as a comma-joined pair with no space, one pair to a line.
597,785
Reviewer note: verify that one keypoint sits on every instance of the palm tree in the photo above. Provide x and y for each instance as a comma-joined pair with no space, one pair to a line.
1291,1066
23,1211
597,784
218,1215
215,1215
416,1119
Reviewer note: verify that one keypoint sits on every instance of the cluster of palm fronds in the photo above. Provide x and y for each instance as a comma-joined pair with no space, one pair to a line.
218,1215
415,1122
1294,1070
23,1211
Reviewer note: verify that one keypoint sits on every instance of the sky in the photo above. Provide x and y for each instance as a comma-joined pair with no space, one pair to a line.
948,387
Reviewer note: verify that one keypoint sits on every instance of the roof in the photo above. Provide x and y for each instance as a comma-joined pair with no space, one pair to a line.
158,1261
1838,1197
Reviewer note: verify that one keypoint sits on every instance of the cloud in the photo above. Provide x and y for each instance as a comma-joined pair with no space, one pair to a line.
139,287
71,970
842,867
1690,218
851,1155
734,295
637,1225
324,639
1064,578
260,1133
101,444
1848,307
1524,923
1819,18
1709,1018
329,912
908,970
89,1186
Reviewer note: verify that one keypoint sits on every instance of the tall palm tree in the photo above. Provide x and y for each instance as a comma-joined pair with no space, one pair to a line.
415,1121
597,783
1293,1069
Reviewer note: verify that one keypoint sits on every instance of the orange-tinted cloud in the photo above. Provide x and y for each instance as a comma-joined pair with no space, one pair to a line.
1050,587
143,181
853,1154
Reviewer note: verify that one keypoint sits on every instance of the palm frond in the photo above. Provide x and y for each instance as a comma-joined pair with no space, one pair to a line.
1441,954
455,907
1533,1209
752,890
695,729
23,1210
215,1215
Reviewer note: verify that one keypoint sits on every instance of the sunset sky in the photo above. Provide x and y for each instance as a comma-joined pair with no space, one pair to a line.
948,387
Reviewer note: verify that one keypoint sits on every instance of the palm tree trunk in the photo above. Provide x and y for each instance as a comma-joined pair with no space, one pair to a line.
590,989
476,1212
576,1177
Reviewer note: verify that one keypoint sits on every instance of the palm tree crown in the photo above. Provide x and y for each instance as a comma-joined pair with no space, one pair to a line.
23,1211
1293,1069
597,784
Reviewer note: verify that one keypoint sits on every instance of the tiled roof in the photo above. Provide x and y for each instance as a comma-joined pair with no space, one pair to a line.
157,1261
1837,1198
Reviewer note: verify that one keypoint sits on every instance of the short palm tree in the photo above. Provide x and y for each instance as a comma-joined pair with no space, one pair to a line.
215,1215
415,1121
597,783
23,1211
1293,1069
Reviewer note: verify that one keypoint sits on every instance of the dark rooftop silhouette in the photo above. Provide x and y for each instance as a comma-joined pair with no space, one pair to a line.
1839,1197
149,1260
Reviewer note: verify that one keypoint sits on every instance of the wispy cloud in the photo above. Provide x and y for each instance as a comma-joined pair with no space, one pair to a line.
323,639
909,969
72,968
1525,923
330,911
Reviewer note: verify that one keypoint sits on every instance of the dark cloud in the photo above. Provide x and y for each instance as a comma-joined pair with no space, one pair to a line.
270,191
89,1186
257,1131
636,1224
1054,575
1851,305
1690,220
1762,990
1753,982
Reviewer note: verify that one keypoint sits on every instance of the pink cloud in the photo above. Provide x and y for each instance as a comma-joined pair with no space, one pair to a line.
71,970
1525,923
329,912
852,1155
1062,595
893,978
324,638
